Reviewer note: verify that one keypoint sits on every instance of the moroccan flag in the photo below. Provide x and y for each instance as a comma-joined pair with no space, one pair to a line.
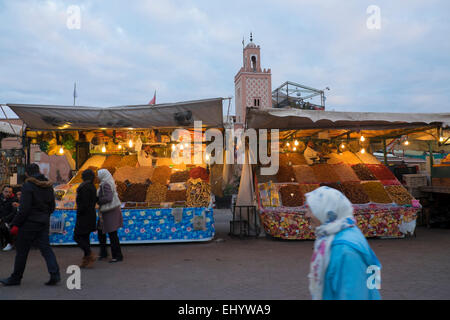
153,101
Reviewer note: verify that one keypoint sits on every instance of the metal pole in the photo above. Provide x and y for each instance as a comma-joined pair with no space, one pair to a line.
385,152
431,155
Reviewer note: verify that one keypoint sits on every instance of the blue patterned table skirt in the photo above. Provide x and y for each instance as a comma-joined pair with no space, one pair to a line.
146,226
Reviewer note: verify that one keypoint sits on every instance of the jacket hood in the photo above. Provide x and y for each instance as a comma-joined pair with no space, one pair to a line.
40,181
354,238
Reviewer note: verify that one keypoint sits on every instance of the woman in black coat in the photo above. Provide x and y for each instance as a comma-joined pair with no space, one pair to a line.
86,216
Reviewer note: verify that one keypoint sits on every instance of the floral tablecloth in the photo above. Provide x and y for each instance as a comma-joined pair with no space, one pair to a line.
373,220
148,226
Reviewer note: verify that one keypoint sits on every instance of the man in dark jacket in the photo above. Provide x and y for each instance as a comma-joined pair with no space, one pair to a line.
6,213
32,224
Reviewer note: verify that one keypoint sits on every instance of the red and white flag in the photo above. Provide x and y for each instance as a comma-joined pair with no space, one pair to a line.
153,101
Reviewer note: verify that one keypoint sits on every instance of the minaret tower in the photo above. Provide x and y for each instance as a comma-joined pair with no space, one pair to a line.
253,86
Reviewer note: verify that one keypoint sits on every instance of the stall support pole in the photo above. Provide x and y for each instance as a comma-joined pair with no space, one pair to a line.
385,152
431,154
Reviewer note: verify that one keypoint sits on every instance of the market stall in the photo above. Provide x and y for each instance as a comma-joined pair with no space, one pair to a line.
383,207
163,198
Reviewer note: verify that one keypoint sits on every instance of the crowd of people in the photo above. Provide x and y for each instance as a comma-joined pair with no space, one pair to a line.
25,220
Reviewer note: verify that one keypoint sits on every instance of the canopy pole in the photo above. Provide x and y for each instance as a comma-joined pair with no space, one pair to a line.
431,155
385,152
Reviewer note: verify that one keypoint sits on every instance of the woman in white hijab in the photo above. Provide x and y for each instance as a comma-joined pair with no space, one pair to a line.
110,216
340,263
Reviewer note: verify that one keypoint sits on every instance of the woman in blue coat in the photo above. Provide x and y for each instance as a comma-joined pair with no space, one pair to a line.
343,266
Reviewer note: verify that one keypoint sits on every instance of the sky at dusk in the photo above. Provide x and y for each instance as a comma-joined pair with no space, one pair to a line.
188,50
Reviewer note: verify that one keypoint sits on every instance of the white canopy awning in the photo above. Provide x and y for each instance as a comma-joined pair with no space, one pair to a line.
181,114
288,118
9,128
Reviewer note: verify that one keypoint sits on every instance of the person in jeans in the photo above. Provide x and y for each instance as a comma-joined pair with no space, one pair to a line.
110,216
342,255
86,217
32,224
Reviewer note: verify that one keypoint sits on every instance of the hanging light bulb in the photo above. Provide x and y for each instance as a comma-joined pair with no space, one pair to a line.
295,149
406,143
296,142
441,139
362,138
61,150
130,143
342,146
207,157
363,150
288,144
173,147
119,147
186,145
181,147
103,149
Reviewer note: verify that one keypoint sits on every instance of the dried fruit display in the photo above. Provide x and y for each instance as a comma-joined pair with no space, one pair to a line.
94,161
161,175
350,158
121,188
156,193
175,195
285,174
283,159
179,176
399,195
142,175
112,161
124,173
199,172
129,160
376,192
304,174
325,173
78,178
354,192
295,158
291,196
334,185
136,192
363,172
381,172
335,158
345,172
305,188
198,193
367,158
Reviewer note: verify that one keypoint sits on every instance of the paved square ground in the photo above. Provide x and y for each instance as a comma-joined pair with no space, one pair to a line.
229,268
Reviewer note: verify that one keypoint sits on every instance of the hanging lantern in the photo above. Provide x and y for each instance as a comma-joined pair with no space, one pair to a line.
103,149
296,143
362,138
363,151
61,151
130,143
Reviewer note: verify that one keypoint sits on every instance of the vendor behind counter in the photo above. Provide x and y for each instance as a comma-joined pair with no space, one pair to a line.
310,153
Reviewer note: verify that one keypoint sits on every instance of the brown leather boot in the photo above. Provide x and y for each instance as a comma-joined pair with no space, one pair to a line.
84,262
90,260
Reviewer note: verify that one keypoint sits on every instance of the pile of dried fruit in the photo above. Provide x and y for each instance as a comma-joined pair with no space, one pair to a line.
345,172
295,158
305,188
333,185
94,161
367,158
175,195
376,192
179,176
198,193
199,172
285,174
161,175
136,192
124,173
350,158
129,160
354,192
112,161
363,172
156,193
381,172
334,158
325,173
399,195
78,178
291,196
121,188
304,174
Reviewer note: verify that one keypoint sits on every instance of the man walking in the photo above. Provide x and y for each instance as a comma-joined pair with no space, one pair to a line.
32,224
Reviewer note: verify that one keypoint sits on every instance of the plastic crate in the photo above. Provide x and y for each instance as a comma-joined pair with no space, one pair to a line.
415,180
